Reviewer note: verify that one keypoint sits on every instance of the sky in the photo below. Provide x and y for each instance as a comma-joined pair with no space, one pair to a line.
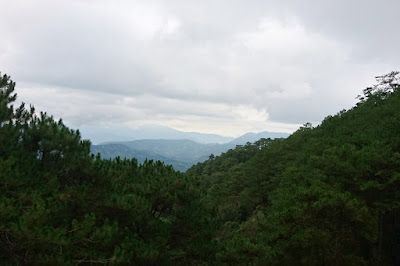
213,66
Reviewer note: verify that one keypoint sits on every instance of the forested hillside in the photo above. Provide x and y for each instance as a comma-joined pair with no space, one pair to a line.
326,195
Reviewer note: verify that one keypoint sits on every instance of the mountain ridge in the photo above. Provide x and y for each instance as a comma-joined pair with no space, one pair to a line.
180,153
101,135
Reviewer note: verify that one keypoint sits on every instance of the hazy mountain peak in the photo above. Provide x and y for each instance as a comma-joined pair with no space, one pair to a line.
252,137
99,134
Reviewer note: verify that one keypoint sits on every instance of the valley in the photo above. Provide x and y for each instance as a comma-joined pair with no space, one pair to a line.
180,153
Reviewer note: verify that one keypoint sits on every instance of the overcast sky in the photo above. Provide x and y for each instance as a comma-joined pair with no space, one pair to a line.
215,66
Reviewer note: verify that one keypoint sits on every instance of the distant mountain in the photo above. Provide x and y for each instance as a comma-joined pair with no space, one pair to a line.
111,151
252,137
99,135
181,154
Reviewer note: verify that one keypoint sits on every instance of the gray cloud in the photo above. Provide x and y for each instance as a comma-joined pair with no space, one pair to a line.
211,66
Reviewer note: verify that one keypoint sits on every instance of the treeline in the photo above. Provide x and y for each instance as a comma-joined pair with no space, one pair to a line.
327,195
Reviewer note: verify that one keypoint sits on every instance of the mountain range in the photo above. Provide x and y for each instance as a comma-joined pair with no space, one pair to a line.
180,153
98,135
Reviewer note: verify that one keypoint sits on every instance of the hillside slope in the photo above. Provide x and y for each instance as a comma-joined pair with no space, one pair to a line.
327,195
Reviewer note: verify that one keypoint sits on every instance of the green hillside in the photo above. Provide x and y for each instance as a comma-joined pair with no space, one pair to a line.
326,195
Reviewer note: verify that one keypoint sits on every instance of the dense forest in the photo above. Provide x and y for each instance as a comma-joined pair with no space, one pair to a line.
326,195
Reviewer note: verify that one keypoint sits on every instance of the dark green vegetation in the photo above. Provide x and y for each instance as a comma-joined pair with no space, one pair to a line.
327,195
181,154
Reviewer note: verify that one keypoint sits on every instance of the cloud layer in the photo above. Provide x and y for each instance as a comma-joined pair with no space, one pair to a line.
223,67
